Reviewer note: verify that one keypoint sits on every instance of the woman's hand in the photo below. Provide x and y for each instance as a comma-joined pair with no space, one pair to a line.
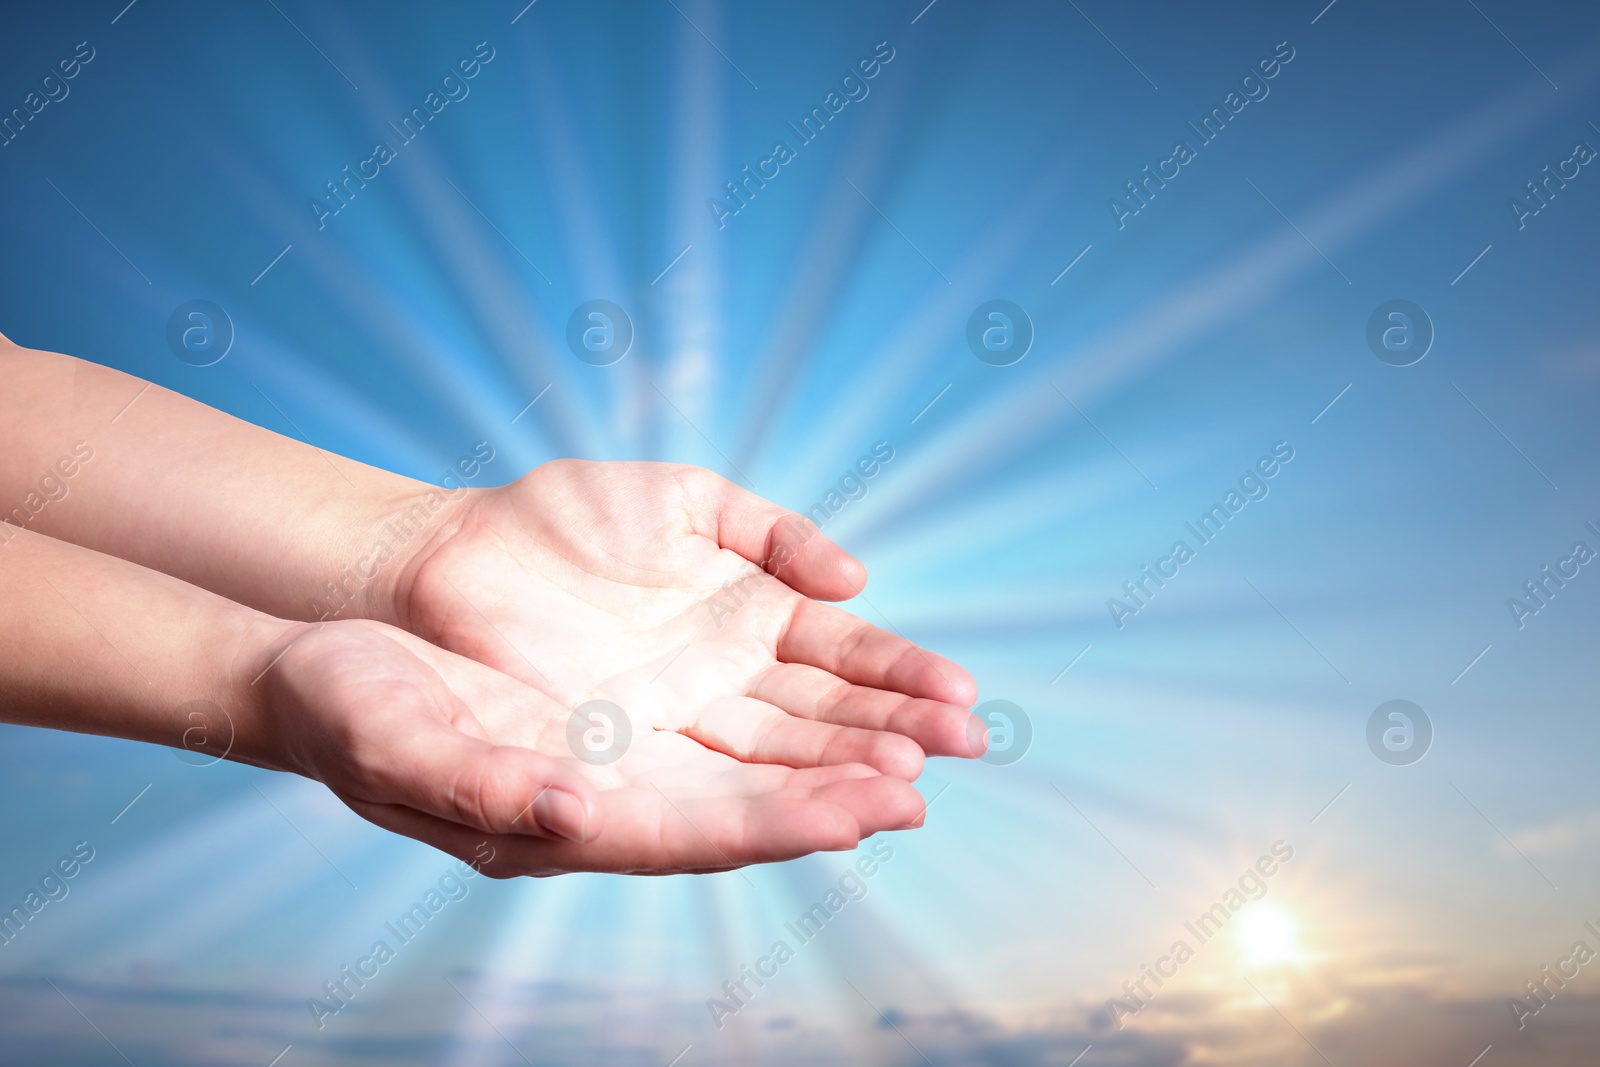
418,740
764,723
444,749
688,602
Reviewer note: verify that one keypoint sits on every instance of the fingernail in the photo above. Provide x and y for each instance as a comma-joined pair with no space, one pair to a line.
977,736
916,824
561,814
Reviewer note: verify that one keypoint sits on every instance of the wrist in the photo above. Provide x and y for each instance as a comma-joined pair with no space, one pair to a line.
408,539
243,718
370,571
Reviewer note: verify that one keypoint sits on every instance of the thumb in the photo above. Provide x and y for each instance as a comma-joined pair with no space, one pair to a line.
378,724
499,789
786,545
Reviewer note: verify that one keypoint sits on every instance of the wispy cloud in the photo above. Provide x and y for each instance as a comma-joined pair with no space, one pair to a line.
1285,1020
1560,835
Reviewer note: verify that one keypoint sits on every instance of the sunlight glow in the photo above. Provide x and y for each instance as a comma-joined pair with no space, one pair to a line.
1269,936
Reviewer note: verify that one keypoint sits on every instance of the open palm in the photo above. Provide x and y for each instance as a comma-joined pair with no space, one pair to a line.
441,748
686,602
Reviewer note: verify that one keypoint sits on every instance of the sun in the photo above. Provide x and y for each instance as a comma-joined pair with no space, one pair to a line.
1268,935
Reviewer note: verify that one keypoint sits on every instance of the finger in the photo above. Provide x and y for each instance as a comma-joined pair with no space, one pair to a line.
785,545
484,852
646,834
497,789
877,804
657,830
853,649
755,731
938,728
875,801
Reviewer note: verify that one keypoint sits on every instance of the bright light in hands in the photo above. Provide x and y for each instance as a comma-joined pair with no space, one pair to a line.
1268,935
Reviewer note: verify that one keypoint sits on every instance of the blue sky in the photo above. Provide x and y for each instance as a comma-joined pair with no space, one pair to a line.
1227,315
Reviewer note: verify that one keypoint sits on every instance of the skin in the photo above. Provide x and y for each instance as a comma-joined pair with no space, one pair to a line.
480,749
430,685
643,583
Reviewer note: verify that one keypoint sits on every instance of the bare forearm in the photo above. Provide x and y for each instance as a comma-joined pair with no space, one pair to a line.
107,461
98,645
